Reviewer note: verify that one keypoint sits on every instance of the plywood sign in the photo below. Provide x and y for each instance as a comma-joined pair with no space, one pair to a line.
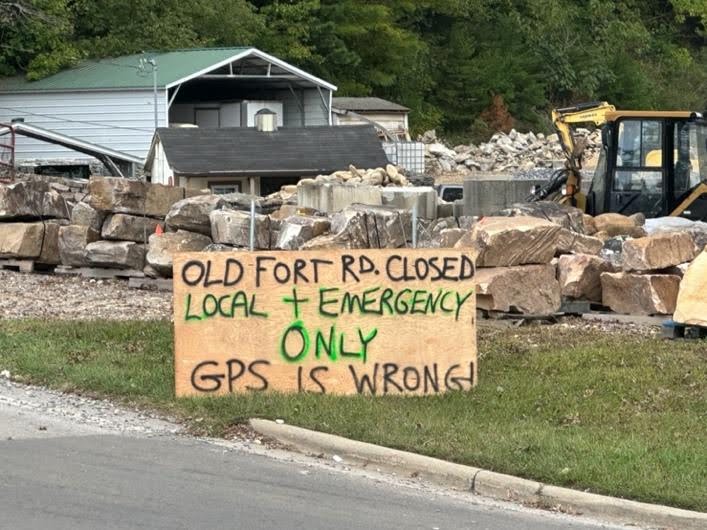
342,322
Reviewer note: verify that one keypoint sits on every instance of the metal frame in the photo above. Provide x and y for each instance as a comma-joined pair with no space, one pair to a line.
10,147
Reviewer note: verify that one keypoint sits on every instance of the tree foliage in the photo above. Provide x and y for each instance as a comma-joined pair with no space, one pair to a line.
452,61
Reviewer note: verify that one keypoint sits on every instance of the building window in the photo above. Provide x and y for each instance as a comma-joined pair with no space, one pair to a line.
224,188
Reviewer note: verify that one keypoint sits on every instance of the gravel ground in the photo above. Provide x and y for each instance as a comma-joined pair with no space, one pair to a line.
73,298
52,413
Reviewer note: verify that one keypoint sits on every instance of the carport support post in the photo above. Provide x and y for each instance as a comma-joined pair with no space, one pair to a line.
252,225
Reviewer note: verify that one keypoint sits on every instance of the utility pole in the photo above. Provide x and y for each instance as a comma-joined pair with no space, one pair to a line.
142,67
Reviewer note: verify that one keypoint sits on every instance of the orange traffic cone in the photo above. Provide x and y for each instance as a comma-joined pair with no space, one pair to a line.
159,230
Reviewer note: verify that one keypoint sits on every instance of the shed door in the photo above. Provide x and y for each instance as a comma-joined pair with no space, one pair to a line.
208,118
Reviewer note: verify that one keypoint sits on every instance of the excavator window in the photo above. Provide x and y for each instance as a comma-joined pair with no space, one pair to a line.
638,156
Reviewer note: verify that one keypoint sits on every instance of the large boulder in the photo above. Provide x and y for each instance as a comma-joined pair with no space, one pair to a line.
530,289
296,230
697,229
232,227
54,206
691,307
21,240
351,228
160,198
50,244
640,294
192,214
116,254
510,241
448,237
83,214
615,224
571,242
22,200
124,227
658,251
566,216
121,195
385,225
73,240
163,247
580,276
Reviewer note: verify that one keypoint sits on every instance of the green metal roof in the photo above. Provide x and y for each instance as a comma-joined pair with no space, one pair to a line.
124,72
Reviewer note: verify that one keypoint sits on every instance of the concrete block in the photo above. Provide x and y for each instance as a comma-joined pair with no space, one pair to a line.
424,197
489,195
333,197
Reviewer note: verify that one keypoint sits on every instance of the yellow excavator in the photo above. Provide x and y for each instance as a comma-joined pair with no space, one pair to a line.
652,162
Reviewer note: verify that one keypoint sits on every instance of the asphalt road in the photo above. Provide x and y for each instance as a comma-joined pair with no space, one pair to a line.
55,474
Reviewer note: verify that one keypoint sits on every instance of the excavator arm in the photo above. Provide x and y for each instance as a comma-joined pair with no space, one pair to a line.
563,120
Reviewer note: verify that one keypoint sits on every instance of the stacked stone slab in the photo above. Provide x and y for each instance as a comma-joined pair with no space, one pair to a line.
31,214
113,225
647,285
514,257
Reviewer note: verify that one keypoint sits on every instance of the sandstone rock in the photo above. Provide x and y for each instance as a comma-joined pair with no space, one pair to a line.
296,230
616,224
116,254
163,247
115,194
509,241
691,307
659,251
580,276
573,243
351,229
529,289
232,227
450,236
73,240
121,195
218,247
54,206
50,244
84,214
330,241
640,294
160,198
288,210
123,227
590,227
192,214
565,216
22,200
21,240
385,226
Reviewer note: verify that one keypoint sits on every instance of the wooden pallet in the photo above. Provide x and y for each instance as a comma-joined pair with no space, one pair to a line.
151,284
25,265
675,330
98,273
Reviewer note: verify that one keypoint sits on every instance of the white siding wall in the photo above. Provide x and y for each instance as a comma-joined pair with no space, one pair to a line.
160,172
315,112
121,120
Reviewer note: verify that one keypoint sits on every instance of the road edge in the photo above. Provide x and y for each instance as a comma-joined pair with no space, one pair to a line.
481,482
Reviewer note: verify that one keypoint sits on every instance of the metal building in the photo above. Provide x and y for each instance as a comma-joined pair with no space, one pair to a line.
118,103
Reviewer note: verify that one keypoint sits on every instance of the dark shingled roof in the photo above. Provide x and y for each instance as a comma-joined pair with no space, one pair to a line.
367,104
285,152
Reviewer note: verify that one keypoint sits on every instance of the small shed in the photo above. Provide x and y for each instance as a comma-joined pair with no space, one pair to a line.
390,118
255,161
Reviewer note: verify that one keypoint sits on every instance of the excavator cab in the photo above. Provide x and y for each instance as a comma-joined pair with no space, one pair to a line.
651,162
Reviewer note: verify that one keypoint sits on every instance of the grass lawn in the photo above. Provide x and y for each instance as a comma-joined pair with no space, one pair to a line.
623,414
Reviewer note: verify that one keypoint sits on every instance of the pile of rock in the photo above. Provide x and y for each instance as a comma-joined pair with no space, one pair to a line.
514,152
111,226
31,214
390,175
